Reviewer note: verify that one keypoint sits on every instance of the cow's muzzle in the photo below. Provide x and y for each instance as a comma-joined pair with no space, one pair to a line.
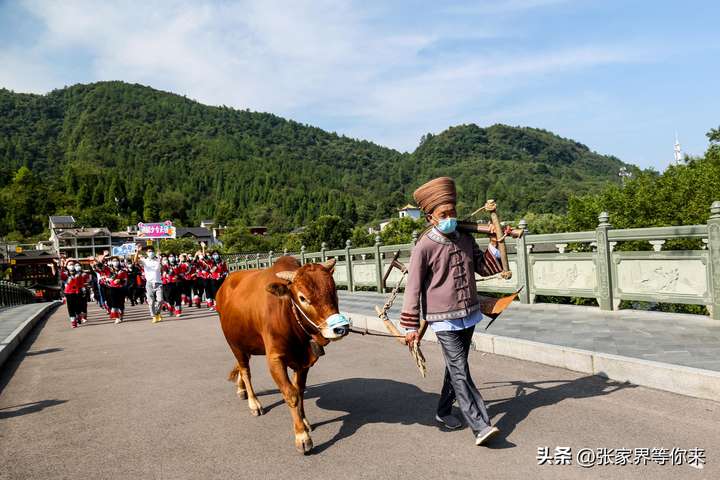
336,326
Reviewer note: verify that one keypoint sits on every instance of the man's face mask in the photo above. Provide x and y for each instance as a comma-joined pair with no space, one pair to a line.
78,268
447,225
151,255
172,260
216,257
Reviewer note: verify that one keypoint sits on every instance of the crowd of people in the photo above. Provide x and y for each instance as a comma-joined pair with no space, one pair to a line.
165,282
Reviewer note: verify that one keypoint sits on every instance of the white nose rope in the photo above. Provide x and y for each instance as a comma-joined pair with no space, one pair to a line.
305,315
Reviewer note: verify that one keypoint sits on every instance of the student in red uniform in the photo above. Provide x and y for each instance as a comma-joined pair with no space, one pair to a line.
174,272
103,272
191,277
217,273
185,268
203,273
85,291
116,283
164,269
73,284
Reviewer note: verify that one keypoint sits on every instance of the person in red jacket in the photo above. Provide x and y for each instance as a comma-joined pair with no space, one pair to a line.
197,287
116,283
185,279
217,273
174,272
73,284
103,272
202,267
85,291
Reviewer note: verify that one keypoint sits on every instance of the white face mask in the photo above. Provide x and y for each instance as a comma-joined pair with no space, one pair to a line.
78,268
151,255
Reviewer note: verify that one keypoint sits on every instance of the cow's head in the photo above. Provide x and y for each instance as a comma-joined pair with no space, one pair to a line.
312,289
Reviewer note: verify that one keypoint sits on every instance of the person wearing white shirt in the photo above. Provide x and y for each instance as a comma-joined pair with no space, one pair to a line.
153,282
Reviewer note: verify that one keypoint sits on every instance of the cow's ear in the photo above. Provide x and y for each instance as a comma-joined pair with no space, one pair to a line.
278,289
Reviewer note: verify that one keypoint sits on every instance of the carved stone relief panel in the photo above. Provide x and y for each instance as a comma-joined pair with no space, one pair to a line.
564,275
685,277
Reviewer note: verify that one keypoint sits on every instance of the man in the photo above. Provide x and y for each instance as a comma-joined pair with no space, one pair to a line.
153,282
441,277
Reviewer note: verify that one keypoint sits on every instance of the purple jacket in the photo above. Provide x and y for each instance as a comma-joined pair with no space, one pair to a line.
441,275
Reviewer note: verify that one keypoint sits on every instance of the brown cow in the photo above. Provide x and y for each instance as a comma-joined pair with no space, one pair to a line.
287,313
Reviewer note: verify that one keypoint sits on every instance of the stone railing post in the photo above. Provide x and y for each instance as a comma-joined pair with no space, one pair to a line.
323,249
302,255
415,235
379,265
349,266
284,252
523,264
603,265
257,261
714,252
270,258
245,263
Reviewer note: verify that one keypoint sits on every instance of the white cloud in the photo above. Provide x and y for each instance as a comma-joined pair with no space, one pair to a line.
302,59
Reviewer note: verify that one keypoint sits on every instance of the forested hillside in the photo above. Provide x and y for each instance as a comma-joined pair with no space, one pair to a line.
112,153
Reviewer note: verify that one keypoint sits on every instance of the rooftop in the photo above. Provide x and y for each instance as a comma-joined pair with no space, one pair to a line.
62,219
194,231
84,232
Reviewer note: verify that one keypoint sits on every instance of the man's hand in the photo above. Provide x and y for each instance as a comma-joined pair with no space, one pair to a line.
493,234
411,338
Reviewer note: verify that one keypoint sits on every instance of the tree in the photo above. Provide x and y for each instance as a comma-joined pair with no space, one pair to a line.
361,238
151,207
331,229
400,230
177,246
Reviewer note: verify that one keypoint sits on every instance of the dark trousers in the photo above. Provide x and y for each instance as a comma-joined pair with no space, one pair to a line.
210,289
175,291
73,301
116,298
458,383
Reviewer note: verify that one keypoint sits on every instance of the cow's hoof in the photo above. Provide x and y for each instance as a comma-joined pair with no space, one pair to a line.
242,394
256,412
307,425
303,443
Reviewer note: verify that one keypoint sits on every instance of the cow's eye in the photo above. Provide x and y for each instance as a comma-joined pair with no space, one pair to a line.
302,298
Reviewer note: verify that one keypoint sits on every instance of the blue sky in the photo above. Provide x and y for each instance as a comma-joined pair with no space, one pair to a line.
620,76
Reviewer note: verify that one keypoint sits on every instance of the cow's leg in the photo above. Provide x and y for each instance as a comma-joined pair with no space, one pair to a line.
243,378
234,376
300,379
278,370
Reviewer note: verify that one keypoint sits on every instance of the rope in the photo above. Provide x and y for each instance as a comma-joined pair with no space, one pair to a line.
375,334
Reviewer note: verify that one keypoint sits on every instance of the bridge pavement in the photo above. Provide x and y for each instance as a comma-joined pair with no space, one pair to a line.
139,400
677,339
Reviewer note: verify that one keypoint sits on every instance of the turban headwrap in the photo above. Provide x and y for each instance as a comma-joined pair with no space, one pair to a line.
434,193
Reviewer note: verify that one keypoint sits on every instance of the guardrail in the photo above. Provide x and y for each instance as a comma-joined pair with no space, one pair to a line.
13,294
593,270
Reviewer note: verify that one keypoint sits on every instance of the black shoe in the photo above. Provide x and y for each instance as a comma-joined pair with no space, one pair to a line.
449,421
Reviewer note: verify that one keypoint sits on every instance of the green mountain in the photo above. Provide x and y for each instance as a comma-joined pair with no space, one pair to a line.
114,153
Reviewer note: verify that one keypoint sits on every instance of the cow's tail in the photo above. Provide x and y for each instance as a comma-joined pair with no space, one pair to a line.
233,375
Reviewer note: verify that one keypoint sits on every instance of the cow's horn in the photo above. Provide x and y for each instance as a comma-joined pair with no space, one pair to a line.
289,276
329,264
